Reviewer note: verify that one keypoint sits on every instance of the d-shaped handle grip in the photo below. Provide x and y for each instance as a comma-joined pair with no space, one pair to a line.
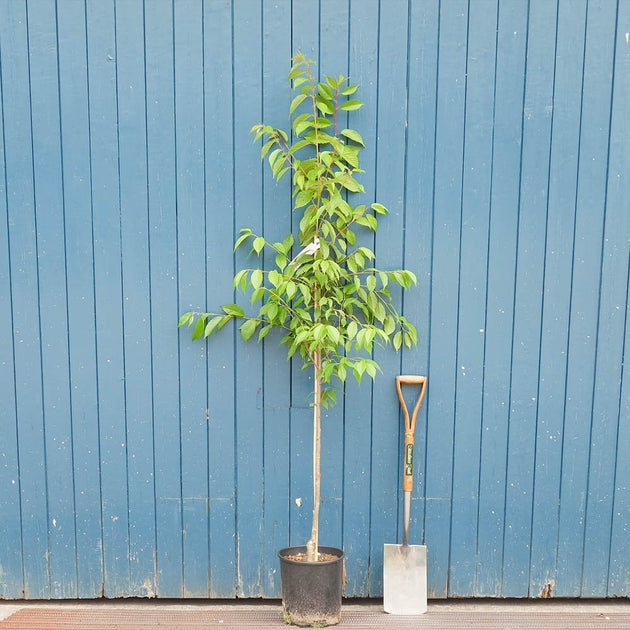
410,423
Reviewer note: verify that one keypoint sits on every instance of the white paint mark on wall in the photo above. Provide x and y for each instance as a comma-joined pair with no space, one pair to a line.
298,502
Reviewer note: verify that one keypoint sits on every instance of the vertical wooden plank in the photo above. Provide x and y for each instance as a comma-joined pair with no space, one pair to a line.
480,63
389,172
333,61
507,116
594,128
75,142
161,190
537,108
20,195
219,173
103,105
449,143
189,111
618,193
305,35
422,91
556,287
49,202
362,568
619,577
136,294
11,575
276,54
612,316
249,360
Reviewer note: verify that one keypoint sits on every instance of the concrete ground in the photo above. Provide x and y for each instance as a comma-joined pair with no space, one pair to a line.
442,615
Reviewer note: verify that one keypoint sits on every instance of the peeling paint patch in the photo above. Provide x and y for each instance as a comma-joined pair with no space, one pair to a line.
547,590
148,587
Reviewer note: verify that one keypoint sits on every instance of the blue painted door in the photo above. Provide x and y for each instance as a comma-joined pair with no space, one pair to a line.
134,462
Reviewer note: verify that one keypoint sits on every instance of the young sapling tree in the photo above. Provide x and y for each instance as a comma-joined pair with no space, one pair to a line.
329,300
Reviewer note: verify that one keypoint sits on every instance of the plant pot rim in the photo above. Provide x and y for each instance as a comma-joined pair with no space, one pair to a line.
336,551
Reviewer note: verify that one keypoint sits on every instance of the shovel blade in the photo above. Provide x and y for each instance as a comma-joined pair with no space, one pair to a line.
405,579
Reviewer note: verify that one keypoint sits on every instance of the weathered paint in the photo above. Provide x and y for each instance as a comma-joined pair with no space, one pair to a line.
134,462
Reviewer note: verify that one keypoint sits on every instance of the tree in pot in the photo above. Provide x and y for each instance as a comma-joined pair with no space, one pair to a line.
329,301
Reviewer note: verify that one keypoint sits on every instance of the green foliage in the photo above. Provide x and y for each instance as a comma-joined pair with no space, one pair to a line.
329,299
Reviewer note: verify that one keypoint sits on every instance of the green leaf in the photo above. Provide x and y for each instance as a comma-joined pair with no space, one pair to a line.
306,294
351,105
341,373
358,368
333,334
265,147
212,325
325,91
233,309
238,277
274,277
224,320
287,243
296,71
257,294
397,341
353,135
389,325
324,105
370,368
351,330
379,311
246,233
273,155
198,329
186,320
296,146
256,278
413,334
248,328
329,397
281,261
300,127
350,183
258,244
296,102
350,89
304,197
380,208
291,289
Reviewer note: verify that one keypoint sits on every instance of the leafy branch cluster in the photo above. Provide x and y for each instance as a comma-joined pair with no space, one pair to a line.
329,299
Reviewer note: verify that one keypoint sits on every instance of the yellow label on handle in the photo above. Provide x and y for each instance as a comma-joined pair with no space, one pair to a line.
409,460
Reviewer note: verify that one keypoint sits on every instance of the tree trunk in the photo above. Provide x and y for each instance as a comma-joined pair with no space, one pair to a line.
313,543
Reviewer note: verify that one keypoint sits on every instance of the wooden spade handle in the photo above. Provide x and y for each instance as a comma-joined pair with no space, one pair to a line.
410,423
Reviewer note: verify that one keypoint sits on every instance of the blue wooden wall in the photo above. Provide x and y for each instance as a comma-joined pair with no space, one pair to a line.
134,462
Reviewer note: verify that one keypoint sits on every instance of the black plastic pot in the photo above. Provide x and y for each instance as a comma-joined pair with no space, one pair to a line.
311,591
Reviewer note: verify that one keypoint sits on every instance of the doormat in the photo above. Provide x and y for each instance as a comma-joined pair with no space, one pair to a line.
86,618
